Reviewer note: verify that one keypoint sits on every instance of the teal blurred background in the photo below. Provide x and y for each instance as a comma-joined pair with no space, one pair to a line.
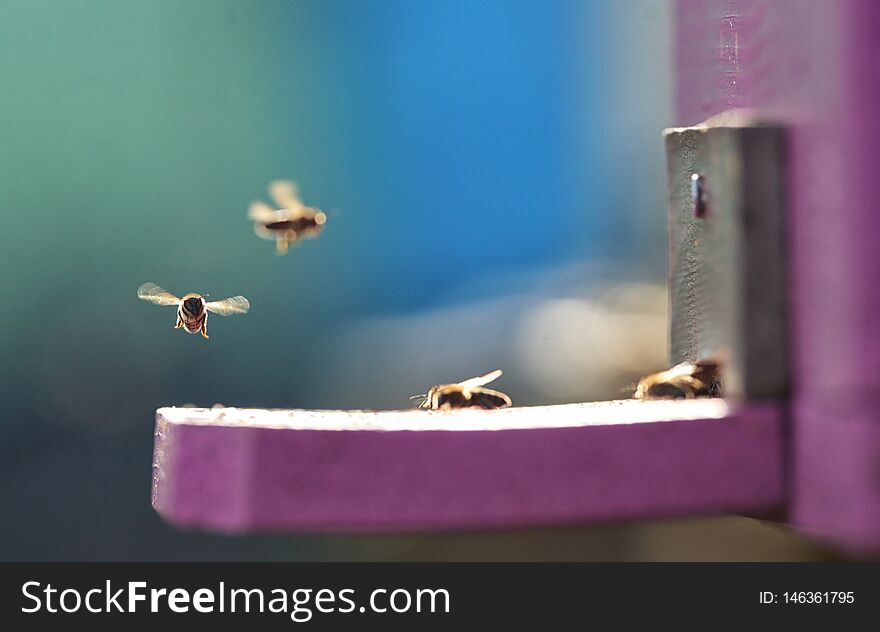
493,178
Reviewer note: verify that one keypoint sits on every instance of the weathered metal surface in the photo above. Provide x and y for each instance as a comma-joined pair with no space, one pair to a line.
727,263
236,470
685,156
811,65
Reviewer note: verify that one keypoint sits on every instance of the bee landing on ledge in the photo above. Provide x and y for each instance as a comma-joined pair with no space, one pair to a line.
467,394
683,381
291,222
192,309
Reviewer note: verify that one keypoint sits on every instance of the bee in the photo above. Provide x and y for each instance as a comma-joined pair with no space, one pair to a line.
467,394
192,309
683,381
291,222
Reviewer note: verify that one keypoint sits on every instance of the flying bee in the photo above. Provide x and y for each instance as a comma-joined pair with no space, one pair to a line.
683,381
467,394
291,222
192,309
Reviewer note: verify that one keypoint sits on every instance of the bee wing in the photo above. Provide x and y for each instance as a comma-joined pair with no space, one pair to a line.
483,379
504,397
154,294
229,306
261,212
262,232
285,194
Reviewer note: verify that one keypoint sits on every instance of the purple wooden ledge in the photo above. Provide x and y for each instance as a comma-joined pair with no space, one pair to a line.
238,470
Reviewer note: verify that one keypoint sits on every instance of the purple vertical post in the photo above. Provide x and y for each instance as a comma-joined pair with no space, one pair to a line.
812,65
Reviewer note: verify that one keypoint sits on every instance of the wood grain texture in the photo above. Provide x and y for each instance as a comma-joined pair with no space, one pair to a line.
235,470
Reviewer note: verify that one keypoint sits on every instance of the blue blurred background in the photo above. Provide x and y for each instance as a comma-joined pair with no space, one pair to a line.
493,178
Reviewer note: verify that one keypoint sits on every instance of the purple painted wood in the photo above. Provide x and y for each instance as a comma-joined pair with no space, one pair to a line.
813,64
237,470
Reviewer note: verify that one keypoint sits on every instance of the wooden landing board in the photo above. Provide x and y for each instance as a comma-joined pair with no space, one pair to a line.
242,470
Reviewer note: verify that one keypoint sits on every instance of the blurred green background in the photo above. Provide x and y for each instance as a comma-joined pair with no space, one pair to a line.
493,178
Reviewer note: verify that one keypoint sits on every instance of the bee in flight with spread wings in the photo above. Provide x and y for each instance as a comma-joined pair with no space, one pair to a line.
467,394
192,309
292,221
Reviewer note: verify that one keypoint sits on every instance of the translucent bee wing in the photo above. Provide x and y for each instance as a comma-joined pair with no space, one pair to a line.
262,212
298,211
262,232
282,244
285,194
504,397
152,293
474,382
229,306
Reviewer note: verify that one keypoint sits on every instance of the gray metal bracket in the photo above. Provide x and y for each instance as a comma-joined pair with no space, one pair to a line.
726,200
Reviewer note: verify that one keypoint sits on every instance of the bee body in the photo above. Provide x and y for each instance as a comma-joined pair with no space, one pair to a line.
468,394
192,316
450,396
683,381
304,225
192,309
289,223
